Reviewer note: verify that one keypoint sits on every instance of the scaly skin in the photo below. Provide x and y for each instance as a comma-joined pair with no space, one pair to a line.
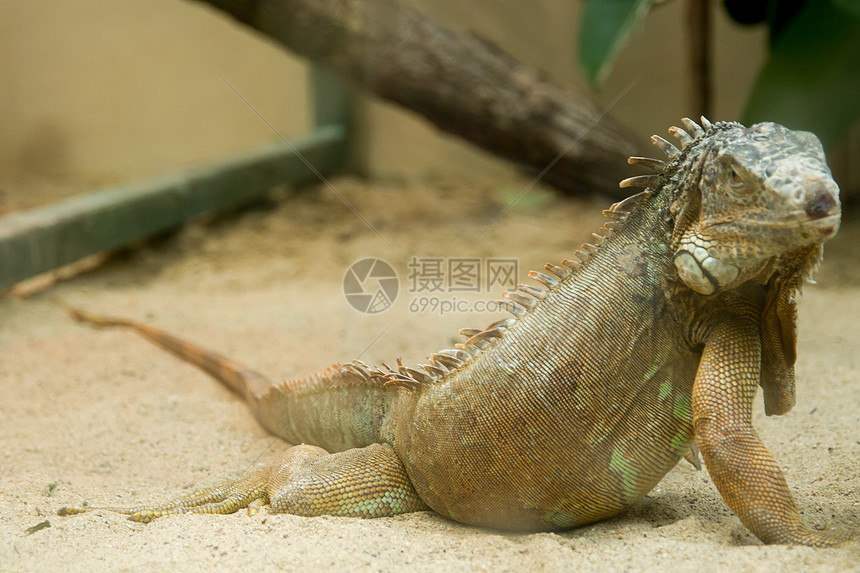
576,407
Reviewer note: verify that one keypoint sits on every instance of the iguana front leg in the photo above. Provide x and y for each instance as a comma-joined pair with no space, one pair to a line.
745,473
361,482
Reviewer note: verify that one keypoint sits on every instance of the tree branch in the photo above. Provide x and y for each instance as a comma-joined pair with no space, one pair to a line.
462,84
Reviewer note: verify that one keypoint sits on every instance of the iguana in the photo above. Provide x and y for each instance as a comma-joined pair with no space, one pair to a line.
650,338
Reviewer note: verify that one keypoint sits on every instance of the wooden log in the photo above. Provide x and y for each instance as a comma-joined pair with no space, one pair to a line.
462,84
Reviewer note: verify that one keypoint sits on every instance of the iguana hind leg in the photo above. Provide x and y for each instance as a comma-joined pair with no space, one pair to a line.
306,480
361,482
248,491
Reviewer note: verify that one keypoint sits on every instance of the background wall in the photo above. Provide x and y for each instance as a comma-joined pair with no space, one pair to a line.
96,92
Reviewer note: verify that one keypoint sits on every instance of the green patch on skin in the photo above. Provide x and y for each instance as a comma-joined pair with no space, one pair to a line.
665,390
680,444
375,506
599,432
561,517
618,463
682,408
652,371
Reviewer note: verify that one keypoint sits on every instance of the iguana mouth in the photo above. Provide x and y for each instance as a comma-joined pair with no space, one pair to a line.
824,222
790,221
800,218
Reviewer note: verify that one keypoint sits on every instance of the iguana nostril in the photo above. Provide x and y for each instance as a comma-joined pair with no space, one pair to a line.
821,206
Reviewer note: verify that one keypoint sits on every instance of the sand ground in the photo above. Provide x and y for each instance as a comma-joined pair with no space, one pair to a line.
104,417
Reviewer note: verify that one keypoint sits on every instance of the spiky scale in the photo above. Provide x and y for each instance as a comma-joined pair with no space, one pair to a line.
491,333
664,146
448,361
517,310
655,165
503,324
589,248
682,136
692,127
476,342
581,255
615,216
561,272
400,380
434,370
524,301
412,373
455,353
572,264
535,292
546,280
650,181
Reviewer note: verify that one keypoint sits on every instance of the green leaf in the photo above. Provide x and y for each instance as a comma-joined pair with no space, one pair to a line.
605,27
811,80
852,6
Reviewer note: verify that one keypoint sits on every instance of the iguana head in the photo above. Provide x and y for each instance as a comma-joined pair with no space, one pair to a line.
748,204
744,198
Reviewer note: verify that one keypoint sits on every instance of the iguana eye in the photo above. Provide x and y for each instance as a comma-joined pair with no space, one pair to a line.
735,179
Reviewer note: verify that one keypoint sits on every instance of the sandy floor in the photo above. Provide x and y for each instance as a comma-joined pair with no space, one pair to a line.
109,419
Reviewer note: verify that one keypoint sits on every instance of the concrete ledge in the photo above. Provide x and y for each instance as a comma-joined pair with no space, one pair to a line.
43,239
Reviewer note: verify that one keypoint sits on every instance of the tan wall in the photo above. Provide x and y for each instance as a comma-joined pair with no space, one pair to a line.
103,91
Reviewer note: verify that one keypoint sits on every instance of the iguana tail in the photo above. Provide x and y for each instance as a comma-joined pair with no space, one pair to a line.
241,379
341,408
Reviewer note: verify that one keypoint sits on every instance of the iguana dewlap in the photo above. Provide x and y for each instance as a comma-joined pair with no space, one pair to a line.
656,333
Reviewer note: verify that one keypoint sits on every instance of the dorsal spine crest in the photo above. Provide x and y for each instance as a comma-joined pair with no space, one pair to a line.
526,298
